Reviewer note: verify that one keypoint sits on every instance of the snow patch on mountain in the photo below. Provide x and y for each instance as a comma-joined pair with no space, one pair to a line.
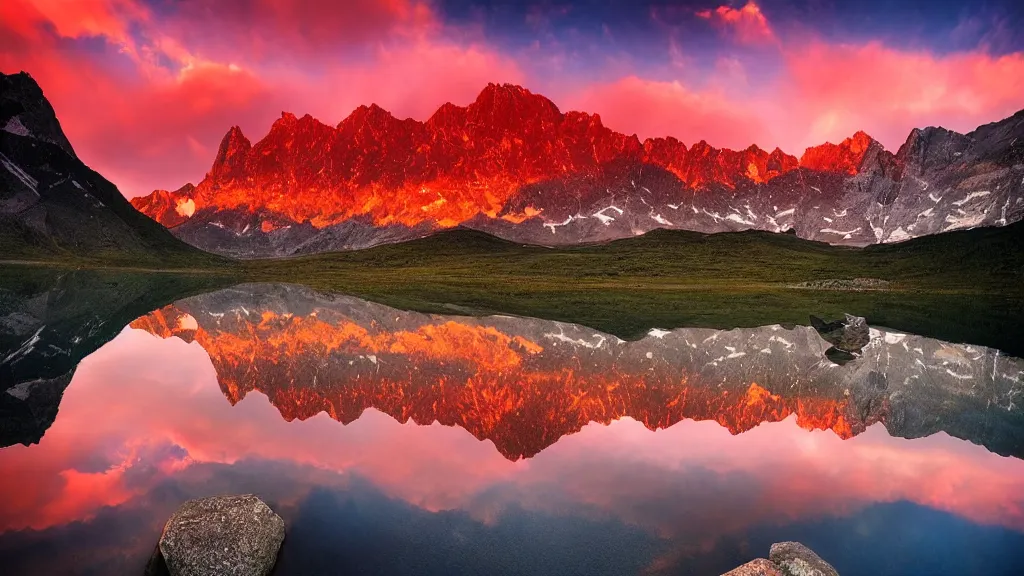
606,219
29,182
14,126
562,337
898,235
738,219
963,220
840,232
971,196
568,220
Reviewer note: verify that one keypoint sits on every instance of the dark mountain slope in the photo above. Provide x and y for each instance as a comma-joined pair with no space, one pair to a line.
54,206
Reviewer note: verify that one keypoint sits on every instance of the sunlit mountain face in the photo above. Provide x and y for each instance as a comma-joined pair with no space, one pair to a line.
512,164
516,443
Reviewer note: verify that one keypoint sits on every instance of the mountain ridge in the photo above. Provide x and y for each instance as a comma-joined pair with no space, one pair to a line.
512,164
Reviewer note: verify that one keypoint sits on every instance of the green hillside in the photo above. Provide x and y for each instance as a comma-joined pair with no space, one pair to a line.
961,286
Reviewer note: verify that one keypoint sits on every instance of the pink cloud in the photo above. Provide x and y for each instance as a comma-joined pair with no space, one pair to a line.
747,24
263,30
149,110
836,90
654,108
822,92
82,18
409,79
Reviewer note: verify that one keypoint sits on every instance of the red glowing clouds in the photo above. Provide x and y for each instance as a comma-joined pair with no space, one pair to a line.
145,94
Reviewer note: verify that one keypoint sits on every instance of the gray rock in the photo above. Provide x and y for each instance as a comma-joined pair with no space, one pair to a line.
222,535
795,559
856,284
758,567
849,335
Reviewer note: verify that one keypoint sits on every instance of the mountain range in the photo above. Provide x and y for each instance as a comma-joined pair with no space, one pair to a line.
513,165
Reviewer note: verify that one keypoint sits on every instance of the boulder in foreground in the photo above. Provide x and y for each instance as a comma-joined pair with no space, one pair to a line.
758,567
222,535
786,559
795,559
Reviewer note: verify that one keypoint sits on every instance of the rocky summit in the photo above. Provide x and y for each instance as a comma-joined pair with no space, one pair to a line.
795,559
512,164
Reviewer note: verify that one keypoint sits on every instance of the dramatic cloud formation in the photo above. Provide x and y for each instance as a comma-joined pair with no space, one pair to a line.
747,23
146,89
841,89
148,109
653,108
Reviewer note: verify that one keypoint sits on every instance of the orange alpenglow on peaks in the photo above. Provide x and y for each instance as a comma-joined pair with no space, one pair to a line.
462,163
846,156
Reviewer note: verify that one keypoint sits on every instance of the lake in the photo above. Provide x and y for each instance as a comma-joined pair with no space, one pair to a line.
397,442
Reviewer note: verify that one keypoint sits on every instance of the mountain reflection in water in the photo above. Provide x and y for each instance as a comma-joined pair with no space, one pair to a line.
686,452
524,383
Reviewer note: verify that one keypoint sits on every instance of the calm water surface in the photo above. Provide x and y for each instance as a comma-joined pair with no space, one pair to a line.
394,442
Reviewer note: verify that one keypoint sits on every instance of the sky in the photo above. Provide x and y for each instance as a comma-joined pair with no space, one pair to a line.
146,89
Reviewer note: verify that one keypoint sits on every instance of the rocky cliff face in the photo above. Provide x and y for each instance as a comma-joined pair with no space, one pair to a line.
524,383
512,164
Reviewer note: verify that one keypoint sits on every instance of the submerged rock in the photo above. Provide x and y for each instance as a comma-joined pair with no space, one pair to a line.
848,335
795,559
758,567
222,535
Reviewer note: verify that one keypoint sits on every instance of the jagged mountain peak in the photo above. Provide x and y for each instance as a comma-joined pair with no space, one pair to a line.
504,104
847,156
372,115
25,111
230,161
447,114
